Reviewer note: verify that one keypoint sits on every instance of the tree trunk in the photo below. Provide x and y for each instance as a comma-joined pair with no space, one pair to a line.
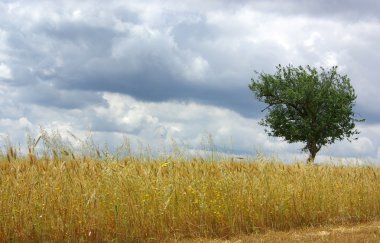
310,160
313,150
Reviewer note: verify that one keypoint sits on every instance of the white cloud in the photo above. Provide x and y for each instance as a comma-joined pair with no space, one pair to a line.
22,122
196,69
312,40
5,72
330,59
378,153
188,123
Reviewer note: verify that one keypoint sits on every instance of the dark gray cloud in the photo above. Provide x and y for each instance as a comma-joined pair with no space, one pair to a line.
350,10
66,56
44,95
71,55
194,30
148,63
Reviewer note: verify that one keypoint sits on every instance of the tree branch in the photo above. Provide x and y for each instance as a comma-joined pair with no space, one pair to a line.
266,108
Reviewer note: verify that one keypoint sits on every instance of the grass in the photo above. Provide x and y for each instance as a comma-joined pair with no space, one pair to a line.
61,196
363,232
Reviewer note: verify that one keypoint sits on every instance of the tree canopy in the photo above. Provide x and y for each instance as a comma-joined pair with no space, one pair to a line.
307,105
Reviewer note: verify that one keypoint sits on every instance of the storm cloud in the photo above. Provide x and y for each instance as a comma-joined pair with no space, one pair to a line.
64,58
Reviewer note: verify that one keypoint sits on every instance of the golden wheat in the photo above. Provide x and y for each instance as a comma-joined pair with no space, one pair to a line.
80,199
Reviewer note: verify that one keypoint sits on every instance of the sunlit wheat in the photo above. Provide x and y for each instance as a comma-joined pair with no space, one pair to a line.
67,197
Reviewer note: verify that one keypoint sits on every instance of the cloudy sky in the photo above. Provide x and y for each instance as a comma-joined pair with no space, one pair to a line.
163,70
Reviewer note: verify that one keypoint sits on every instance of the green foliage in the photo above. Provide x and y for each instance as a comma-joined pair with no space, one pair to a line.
307,106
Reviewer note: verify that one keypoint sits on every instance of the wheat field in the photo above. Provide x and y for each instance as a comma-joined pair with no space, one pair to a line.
65,197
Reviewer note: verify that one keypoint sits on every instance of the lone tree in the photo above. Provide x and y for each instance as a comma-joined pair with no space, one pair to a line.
307,106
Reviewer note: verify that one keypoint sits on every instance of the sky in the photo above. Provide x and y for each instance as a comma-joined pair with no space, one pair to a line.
164,71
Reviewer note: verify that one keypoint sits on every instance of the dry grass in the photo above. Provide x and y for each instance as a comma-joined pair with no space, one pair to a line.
365,232
92,196
87,199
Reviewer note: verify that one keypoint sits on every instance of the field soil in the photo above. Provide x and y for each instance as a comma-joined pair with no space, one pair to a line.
366,232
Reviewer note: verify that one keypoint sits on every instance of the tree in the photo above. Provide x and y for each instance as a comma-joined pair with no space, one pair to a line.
307,106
